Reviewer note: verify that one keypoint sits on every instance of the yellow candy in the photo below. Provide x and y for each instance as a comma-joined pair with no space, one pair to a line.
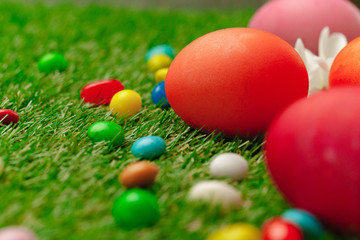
158,61
237,231
161,74
125,103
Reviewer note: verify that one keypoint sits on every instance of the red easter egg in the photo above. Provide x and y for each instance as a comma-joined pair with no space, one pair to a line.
312,152
101,92
235,81
8,116
345,70
280,229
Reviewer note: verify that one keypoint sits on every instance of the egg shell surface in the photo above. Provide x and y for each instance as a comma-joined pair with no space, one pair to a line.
345,69
235,81
292,19
312,152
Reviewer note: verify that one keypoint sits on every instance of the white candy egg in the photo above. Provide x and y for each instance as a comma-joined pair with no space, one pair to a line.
229,165
216,193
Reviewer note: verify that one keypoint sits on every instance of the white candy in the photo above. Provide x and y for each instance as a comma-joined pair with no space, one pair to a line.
16,233
216,193
229,165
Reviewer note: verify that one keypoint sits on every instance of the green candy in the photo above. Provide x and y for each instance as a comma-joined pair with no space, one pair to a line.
136,208
52,62
106,131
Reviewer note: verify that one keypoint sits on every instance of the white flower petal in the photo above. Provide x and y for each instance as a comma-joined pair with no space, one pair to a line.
330,45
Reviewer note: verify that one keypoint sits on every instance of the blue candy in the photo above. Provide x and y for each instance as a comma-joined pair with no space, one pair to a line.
311,227
149,147
160,49
158,95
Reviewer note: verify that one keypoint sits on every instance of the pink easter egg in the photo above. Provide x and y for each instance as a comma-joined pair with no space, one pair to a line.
292,19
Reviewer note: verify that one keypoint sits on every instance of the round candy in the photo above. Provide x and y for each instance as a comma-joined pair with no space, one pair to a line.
158,61
139,174
345,70
160,74
17,233
311,227
291,19
229,165
280,229
160,49
101,92
52,62
125,103
149,147
106,131
136,208
312,152
8,117
216,193
235,81
237,231
158,95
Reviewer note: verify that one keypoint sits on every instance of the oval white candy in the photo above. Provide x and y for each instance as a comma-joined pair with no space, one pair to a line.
17,233
229,165
216,193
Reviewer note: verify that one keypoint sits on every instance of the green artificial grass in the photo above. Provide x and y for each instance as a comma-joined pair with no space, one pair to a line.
60,184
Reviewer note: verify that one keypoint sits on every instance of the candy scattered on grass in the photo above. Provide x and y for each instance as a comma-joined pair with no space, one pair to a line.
236,231
101,92
158,95
8,117
229,165
52,62
139,174
310,226
160,74
216,193
106,131
149,147
160,49
17,233
136,208
125,103
281,229
157,62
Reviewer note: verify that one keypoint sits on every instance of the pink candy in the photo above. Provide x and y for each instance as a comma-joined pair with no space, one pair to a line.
17,233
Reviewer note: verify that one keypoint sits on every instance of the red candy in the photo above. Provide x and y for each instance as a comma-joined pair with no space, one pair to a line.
8,116
312,151
101,92
235,81
281,229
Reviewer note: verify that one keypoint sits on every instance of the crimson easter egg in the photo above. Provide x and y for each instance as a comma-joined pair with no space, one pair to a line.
292,19
312,152
235,81
345,70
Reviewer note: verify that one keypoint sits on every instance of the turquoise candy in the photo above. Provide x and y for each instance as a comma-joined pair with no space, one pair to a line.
149,147
160,49
310,226
136,208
